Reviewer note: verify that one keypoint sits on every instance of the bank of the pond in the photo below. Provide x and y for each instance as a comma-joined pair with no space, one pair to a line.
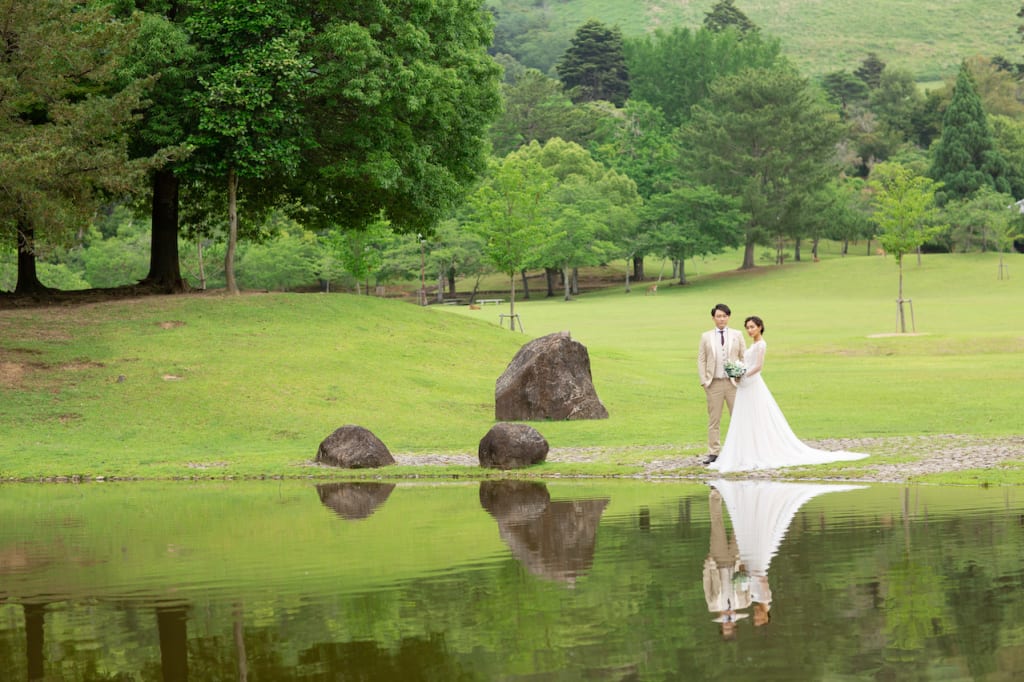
950,459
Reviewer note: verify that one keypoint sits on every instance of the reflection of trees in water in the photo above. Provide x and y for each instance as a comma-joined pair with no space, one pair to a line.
353,501
552,539
416,658
172,624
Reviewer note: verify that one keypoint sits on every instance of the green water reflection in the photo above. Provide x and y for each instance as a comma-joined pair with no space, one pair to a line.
515,580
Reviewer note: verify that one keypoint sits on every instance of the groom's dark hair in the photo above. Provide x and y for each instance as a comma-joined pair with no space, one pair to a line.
723,307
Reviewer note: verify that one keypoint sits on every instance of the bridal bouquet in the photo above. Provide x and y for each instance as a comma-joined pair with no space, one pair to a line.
735,369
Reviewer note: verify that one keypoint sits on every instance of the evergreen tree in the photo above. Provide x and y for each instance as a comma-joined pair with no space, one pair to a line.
964,158
724,14
594,66
870,70
844,89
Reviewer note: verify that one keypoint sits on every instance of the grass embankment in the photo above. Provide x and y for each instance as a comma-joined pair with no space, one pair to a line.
214,386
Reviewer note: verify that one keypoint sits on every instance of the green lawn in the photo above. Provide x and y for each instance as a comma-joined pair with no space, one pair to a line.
209,385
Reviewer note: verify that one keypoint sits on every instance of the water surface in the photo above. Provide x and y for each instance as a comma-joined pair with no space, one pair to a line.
516,580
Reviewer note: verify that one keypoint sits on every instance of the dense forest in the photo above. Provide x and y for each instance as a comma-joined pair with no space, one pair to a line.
178,144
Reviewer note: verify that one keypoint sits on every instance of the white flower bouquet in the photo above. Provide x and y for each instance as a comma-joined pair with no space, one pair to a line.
735,369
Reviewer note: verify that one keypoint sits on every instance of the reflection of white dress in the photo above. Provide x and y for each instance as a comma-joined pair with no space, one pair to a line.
761,512
759,436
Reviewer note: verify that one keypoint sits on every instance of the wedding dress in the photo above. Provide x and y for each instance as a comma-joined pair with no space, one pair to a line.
759,436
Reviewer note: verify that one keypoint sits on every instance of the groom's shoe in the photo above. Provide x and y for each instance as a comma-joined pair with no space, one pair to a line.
709,459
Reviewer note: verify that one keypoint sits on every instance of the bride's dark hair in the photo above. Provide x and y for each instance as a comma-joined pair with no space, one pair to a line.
756,320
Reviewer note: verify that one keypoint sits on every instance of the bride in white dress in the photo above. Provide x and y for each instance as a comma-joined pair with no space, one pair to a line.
759,436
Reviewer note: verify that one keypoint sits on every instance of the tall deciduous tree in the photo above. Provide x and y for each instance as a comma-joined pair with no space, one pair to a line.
691,61
594,67
693,221
63,122
766,137
509,210
536,108
398,109
591,207
249,102
637,142
905,213
964,158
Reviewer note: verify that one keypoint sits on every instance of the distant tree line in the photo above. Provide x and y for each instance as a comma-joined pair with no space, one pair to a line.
293,143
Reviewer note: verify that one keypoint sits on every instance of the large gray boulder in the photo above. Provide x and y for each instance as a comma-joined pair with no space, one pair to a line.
512,446
549,378
353,447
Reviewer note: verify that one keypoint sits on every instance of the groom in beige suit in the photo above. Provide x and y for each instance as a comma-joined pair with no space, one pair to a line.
716,347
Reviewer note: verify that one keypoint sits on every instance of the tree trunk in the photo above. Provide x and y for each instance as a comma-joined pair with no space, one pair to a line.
682,270
899,299
172,630
748,255
202,265
627,276
512,300
164,263
440,286
238,614
638,268
549,275
28,281
575,281
565,280
796,250
526,284
229,257
451,281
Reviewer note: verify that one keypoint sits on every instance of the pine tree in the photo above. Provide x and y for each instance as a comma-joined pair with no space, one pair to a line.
870,70
724,14
964,158
594,67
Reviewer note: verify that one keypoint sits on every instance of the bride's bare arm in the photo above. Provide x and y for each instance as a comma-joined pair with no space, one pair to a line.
757,361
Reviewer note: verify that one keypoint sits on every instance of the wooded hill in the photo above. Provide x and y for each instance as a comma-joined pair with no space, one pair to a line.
926,38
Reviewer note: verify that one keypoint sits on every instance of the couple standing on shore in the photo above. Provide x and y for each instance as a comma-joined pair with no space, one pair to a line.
759,436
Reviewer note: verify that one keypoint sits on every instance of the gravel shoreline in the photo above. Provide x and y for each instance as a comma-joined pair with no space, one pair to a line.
914,456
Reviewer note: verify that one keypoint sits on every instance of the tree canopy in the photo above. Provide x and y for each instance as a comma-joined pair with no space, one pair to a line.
594,67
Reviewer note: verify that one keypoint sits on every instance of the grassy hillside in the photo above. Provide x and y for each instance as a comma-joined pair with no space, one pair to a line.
930,39
215,385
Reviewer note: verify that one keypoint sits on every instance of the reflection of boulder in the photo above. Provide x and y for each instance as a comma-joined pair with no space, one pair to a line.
555,540
353,447
514,501
512,446
354,501
549,378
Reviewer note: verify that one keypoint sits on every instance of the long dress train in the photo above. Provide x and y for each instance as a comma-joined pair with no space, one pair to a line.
759,436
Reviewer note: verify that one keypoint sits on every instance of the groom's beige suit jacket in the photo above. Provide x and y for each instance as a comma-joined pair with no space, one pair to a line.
707,354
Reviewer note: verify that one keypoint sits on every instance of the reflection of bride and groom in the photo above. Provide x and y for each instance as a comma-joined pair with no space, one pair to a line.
736,568
759,436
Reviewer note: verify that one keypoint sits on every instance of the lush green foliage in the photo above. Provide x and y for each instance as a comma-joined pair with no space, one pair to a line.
766,137
964,160
593,68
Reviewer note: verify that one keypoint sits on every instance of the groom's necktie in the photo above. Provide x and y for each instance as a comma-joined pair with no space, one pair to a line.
721,336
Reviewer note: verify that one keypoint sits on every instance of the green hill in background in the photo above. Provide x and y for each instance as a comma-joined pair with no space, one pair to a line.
929,39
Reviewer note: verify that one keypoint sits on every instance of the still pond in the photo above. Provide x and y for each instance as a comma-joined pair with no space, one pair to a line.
510,580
